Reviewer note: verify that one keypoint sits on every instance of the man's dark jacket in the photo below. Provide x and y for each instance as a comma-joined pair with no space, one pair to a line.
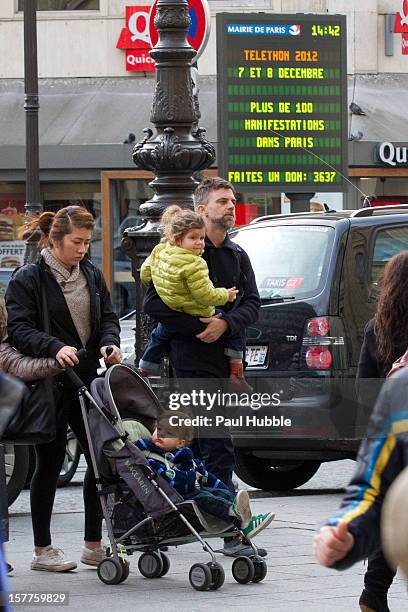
25,321
229,266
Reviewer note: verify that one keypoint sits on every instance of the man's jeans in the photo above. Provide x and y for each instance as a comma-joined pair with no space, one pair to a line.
217,453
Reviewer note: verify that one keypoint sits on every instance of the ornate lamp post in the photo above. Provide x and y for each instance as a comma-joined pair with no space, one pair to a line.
179,148
33,204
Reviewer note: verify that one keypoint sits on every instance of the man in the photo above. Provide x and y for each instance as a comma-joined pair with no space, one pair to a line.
354,533
199,352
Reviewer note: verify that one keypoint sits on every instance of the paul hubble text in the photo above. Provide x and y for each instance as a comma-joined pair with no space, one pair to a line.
240,421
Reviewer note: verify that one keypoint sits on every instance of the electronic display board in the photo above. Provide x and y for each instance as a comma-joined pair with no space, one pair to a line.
282,101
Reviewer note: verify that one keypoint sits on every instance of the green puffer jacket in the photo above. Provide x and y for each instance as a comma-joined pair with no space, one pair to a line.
182,281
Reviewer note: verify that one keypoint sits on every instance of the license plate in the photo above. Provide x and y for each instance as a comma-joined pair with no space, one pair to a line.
256,354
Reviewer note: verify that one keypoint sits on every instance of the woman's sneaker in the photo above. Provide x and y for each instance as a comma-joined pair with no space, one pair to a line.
93,556
257,523
52,560
241,508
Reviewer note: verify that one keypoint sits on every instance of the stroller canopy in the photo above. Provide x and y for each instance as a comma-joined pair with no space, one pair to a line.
128,395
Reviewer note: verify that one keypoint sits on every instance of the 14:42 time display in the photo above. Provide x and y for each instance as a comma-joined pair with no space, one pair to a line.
325,30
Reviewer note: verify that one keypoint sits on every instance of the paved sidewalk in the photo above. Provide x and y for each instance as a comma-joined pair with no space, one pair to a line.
294,582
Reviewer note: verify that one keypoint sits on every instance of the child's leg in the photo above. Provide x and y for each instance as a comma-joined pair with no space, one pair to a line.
234,348
224,504
235,351
216,502
157,347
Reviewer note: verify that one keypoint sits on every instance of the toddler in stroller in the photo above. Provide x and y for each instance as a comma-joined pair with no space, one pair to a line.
142,510
167,453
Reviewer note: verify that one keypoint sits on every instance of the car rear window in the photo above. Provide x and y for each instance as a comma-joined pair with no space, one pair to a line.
289,261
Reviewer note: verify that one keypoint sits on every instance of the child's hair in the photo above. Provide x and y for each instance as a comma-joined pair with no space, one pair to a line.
54,226
181,430
176,222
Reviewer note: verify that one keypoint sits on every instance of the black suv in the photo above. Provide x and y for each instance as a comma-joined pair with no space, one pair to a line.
317,275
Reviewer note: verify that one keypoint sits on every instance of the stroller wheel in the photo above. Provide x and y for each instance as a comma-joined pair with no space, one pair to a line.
217,575
151,565
125,569
243,570
110,571
261,569
200,577
166,564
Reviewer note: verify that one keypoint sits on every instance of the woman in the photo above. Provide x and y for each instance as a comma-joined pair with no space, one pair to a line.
385,339
80,315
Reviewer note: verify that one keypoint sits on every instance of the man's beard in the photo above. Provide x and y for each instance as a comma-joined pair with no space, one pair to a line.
224,222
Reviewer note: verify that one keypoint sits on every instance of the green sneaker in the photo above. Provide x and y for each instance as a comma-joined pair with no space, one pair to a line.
257,523
241,507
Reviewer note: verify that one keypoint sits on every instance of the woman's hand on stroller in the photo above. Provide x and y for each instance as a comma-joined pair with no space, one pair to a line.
111,354
66,356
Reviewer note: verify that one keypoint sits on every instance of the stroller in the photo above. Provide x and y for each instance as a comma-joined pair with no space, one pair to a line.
142,511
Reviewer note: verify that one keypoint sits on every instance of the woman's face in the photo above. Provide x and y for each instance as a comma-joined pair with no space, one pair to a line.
73,247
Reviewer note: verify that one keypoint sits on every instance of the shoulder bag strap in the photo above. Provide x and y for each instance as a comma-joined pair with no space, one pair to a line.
44,304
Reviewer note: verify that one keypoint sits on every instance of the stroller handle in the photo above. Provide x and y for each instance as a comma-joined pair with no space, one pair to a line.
73,376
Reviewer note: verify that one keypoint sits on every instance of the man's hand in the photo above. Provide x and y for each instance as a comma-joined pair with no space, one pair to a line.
215,328
332,544
114,357
66,356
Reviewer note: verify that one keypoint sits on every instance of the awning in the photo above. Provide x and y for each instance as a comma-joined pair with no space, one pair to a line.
84,121
90,111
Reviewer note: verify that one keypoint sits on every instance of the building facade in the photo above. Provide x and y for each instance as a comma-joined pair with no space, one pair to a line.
90,104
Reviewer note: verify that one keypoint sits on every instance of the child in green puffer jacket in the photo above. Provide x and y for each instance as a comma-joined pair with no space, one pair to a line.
181,278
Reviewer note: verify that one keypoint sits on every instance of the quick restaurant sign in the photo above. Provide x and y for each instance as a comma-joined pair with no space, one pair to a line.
391,154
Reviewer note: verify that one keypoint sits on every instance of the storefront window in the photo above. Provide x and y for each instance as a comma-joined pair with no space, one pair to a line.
58,195
54,196
384,190
12,200
250,205
126,197
63,5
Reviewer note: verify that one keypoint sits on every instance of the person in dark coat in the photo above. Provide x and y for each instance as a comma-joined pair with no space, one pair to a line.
81,316
385,340
197,346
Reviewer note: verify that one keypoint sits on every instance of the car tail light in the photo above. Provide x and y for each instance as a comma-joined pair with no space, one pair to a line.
319,326
318,357
318,343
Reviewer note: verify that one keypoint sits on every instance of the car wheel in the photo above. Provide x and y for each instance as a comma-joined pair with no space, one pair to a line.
16,460
71,460
271,475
